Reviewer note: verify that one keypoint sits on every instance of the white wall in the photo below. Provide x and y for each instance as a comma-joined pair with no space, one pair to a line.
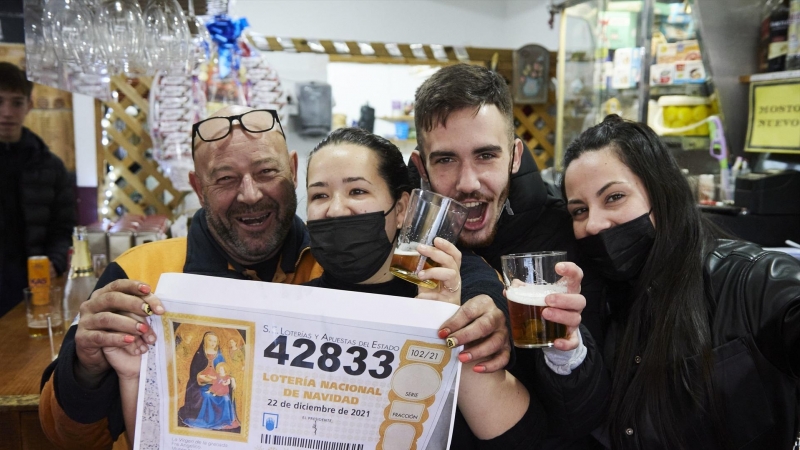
478,23
84,123
526,23
379,84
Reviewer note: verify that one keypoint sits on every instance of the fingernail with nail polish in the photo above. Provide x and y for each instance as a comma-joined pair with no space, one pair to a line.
146,309
443,333
144,289
465,357
451,342
128,339
142,327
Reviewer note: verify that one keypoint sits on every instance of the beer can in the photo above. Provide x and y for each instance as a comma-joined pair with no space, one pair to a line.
39,279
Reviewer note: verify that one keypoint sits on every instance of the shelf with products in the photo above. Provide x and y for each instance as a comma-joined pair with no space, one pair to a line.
770,76
648,65
693,89
687,143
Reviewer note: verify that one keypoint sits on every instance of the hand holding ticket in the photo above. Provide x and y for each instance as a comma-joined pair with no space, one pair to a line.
362,370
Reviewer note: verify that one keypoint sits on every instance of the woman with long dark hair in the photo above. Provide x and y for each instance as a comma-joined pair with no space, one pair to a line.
703,336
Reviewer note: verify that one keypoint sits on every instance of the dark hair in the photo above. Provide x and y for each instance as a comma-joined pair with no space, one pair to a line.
391,166
668,317
12,79
456,87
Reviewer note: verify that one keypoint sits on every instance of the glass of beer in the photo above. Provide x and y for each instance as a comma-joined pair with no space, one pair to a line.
529,278
41,304
429,216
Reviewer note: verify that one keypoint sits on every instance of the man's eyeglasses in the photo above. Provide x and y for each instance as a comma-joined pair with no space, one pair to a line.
216,128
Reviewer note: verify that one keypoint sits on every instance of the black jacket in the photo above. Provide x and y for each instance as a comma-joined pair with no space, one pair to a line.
37,213
755,326
48,202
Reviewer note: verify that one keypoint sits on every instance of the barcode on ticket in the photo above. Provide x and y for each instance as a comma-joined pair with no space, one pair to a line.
316,444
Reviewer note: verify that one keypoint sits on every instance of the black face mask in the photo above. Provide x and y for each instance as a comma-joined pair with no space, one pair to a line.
351,248
620,252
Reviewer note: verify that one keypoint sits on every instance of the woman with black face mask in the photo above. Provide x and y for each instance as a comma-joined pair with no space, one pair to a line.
703,336
358,193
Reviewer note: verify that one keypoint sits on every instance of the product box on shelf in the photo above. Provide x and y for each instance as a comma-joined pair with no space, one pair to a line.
689,72
677,73
627,68
619,28
662,74
678,51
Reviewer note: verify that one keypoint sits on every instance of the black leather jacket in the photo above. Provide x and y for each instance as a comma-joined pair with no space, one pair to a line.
755,315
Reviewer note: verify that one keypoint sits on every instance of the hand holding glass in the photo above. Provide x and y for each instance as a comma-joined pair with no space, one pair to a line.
529,278
429,216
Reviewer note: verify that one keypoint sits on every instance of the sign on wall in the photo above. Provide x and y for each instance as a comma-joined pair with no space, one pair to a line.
774,118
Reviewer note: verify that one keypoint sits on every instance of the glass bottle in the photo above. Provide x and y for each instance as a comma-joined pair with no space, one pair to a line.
81,279
793,57
778,30
763,35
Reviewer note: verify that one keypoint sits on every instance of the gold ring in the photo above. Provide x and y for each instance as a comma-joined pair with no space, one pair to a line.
452,290
146,309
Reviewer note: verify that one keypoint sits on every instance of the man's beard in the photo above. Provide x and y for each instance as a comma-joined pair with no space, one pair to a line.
487,241
231,240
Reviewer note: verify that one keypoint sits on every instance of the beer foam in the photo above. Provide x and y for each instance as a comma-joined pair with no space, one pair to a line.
533,294
399,252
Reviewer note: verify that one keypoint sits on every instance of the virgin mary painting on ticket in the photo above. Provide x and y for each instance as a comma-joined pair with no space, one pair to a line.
210,371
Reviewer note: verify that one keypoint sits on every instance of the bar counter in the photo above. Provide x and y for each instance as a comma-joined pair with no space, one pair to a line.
22,361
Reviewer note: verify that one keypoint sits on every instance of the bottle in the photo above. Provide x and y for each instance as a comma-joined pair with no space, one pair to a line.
778,29
763,35
81,280
793,56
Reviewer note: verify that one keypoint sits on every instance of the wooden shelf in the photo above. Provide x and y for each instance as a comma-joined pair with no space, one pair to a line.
692,89
785,75
398,119
687,143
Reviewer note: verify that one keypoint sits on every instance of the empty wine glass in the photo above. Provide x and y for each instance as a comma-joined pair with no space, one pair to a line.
40,58
69,27
120,30
167,38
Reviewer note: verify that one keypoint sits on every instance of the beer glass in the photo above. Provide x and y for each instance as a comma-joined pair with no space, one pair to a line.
41,304
429,216
529,278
